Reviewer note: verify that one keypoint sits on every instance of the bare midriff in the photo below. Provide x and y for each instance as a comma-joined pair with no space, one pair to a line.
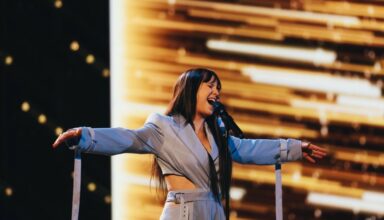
175,182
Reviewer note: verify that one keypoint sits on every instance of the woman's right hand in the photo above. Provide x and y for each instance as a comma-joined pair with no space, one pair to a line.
312,152
70,138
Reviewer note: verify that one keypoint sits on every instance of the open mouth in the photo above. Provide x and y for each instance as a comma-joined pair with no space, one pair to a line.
211,101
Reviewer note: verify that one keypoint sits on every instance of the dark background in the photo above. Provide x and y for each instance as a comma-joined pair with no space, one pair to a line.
58,83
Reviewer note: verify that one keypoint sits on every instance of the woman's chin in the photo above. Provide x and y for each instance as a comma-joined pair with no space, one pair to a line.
209,113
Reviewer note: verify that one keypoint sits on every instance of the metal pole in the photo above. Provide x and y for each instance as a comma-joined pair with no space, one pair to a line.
76,186
278,193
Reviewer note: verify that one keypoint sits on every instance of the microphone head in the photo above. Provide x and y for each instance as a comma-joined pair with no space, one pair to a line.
217,106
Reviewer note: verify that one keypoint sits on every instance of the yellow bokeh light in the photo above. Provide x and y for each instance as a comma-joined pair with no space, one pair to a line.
75,46
58,4
42,119
58,131
90,59
181,52
8,60
91,187
25,106
296,176
317,213
105,73
107,199
8,191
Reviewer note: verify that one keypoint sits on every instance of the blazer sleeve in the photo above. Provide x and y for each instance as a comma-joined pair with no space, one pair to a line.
264,151
112,141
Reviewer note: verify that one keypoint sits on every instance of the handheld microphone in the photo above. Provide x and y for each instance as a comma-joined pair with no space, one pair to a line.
219,109
217,106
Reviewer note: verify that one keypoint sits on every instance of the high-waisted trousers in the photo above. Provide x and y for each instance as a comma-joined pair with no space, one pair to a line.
194,204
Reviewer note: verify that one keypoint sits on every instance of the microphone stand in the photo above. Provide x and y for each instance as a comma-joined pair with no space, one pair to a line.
231,125
76,186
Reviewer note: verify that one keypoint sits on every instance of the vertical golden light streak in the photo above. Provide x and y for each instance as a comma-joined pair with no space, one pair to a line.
120,206
130,200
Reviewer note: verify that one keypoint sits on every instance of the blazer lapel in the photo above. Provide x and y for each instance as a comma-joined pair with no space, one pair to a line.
212,142
187,135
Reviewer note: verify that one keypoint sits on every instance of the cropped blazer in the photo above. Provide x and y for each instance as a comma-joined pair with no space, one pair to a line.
178,149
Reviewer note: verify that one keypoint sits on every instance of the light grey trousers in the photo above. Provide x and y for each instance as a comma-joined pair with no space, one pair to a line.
195,204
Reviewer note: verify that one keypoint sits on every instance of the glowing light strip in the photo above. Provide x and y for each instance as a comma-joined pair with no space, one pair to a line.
348,8
276,12
356,101
347,203
374,158
373,197
331,107
311,55
312,81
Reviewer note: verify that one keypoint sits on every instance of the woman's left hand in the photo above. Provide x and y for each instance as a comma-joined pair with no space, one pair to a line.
312,152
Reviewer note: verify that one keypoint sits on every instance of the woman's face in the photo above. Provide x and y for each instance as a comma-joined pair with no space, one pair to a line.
208,91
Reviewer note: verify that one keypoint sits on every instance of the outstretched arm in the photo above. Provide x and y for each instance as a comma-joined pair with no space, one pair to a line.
272,151
111,141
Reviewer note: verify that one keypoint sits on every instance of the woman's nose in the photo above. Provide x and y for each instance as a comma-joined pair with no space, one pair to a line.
215,92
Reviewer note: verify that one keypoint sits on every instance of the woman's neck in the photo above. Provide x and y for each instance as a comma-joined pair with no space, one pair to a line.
198,123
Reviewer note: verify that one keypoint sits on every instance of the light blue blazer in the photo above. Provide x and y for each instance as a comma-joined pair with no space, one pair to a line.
178,149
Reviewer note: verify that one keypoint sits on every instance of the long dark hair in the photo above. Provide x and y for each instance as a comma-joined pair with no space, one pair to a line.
184,103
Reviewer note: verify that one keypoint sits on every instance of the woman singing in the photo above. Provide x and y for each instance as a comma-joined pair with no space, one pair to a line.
193,153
